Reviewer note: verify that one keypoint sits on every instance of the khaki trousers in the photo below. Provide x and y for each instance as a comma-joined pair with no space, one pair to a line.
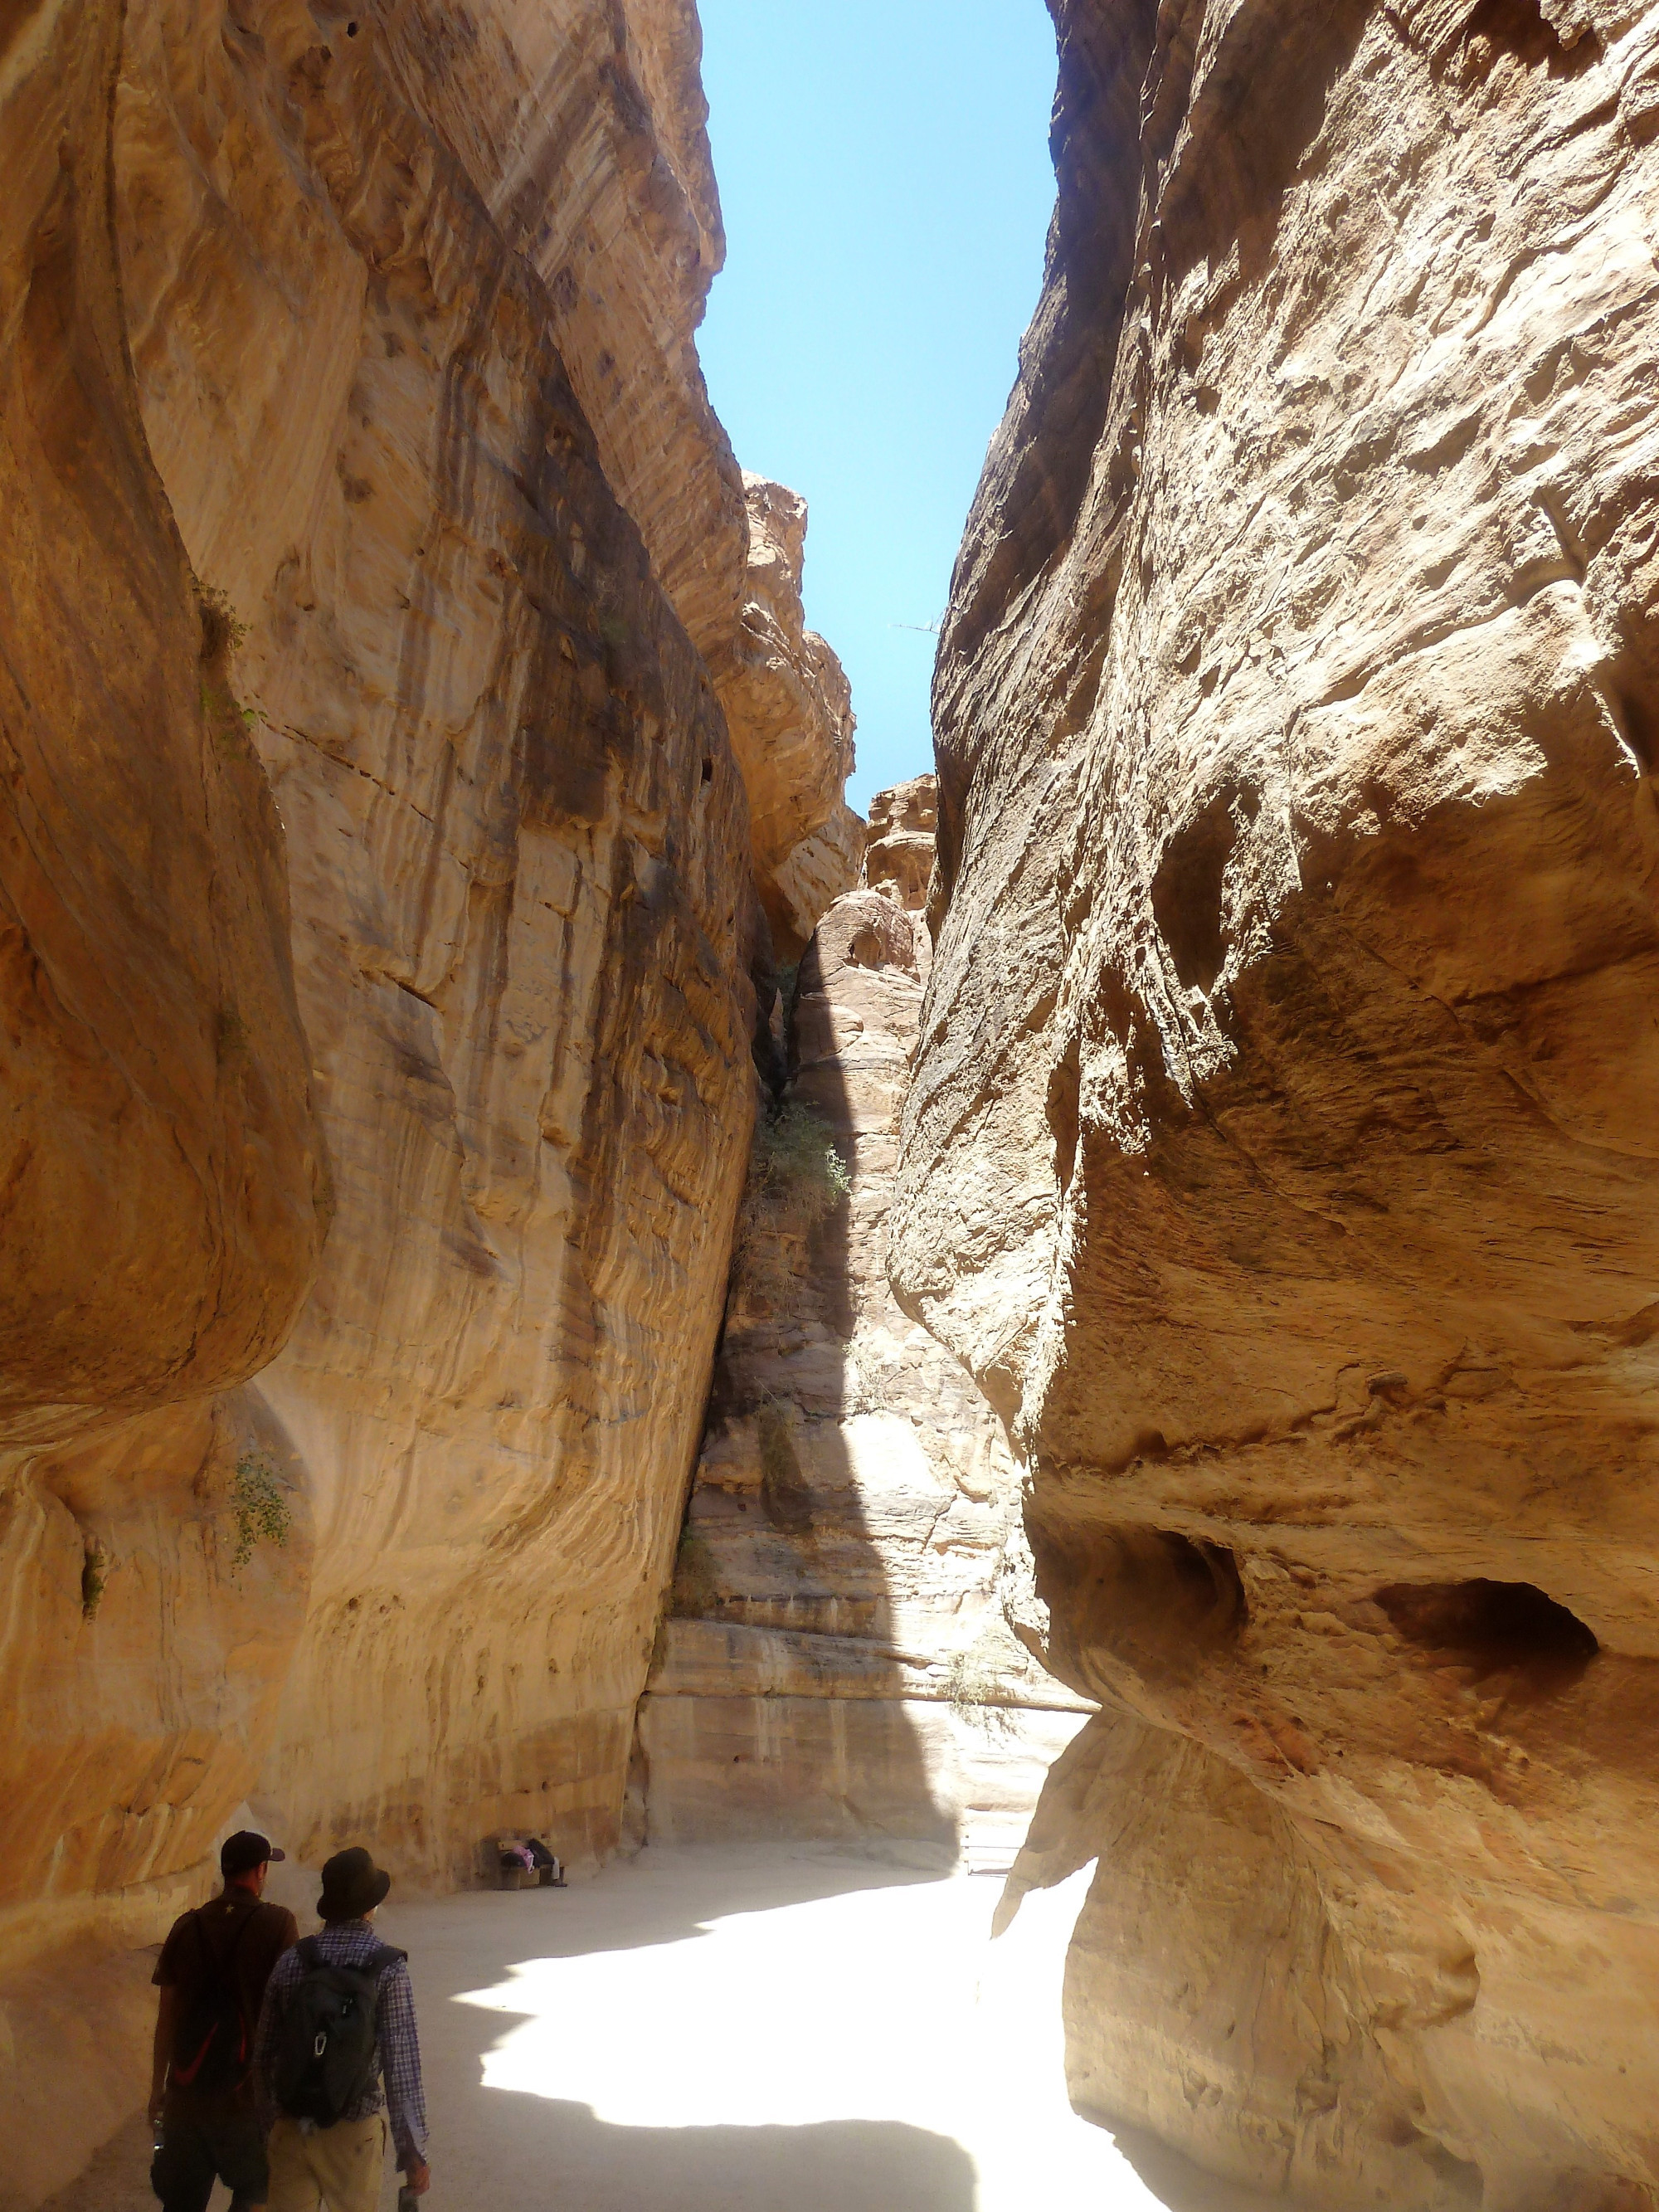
338,2166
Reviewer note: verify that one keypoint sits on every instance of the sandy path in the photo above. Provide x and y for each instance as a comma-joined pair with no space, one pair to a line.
753,2030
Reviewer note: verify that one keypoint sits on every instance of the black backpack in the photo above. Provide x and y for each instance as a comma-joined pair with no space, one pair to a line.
212,2048
326,2051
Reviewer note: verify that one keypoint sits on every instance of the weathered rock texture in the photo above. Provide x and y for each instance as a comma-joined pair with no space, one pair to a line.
1281,1154
356,463
518,847
835,1662
160,1169
790,711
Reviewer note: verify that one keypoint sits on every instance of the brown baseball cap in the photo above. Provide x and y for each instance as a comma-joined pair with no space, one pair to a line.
242,1852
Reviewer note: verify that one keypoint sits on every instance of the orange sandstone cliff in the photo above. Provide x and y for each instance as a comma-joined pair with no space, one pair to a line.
838,1660
379,856
1280,1153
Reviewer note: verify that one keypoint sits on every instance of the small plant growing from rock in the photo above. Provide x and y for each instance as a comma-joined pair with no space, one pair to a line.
260,1505
223,629
796,1177
974,1689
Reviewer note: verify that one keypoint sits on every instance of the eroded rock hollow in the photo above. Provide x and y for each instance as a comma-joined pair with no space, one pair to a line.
1280,1155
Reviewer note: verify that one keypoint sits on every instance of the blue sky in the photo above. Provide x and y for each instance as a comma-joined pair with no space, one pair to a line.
884,169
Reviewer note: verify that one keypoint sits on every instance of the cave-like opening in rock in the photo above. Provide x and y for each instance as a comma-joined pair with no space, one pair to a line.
1493,1628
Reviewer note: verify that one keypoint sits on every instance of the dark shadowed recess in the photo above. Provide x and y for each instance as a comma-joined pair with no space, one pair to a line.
1494,1628
1519,28
1151,1600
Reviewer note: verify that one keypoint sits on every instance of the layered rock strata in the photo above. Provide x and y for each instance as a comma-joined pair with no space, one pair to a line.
364,498
523,913
790,710
161,1186
1279,1154
836,1661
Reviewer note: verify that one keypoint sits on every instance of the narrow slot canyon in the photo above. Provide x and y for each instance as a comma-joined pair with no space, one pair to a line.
1010,1417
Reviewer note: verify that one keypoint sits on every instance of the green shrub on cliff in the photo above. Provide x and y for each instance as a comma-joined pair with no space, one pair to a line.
260,1506
974,1689
796,1173
796,1178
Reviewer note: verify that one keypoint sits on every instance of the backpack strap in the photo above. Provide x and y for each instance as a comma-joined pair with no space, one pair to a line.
310,1951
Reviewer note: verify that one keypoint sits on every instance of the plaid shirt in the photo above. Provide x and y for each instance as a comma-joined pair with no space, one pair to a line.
396,2045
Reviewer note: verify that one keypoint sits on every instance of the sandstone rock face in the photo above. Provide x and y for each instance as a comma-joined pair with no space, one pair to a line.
1279,1154
582,128
161,1185
790,712
899,846
359,464
836,1661
518,855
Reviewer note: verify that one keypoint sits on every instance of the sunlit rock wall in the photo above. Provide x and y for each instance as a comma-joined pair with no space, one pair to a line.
1280,1153
519,842
836,1661
790,711
161,1188
369,541
585,129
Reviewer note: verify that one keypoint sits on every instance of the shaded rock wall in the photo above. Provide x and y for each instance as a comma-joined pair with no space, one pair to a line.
161,1187
1280,1153
519,852
369,539
836,1661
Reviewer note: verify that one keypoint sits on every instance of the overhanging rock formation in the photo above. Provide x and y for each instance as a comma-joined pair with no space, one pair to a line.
1280,1155
163,1187
414,340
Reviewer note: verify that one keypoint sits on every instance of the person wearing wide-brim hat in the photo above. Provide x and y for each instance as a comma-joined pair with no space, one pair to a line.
320,2156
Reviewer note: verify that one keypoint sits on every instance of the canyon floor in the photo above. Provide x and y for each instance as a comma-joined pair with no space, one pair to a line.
744,2029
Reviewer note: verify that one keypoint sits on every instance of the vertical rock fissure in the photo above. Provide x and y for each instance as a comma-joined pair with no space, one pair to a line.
836,1660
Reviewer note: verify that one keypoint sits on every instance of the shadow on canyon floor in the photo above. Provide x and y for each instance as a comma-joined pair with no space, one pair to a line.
544,2151
740,1994
778,1711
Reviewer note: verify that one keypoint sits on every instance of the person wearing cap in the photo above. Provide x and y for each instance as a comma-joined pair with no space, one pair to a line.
341,2166
213,1968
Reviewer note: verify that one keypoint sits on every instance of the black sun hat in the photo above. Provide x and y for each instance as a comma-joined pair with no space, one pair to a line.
352,1885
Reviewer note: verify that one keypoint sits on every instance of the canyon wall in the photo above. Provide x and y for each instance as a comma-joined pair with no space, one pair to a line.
380,858
836,1661
483,598
790,709
163,1189
1280,1153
